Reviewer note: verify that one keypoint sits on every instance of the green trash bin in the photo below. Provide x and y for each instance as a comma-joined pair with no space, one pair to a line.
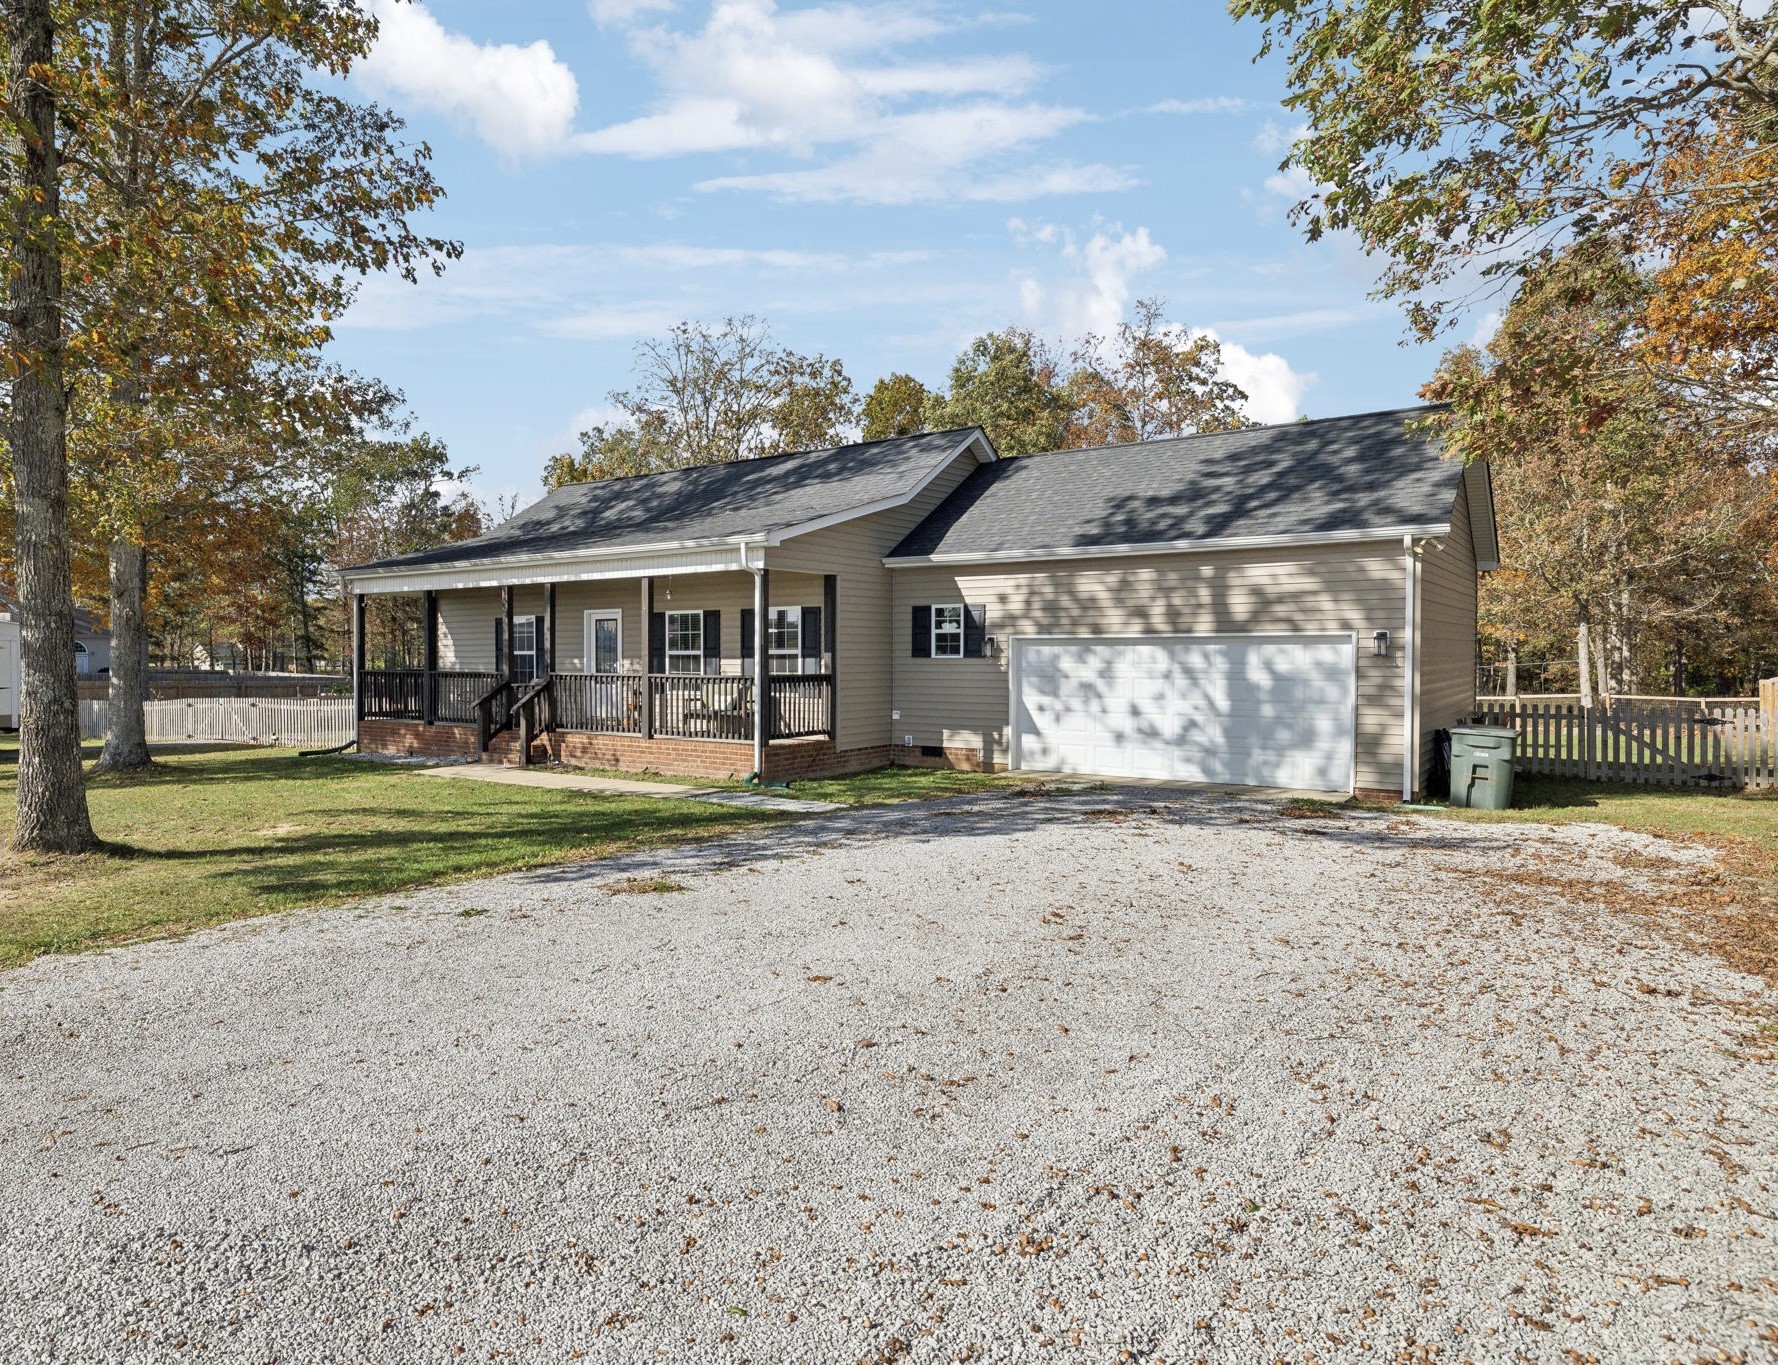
1482,766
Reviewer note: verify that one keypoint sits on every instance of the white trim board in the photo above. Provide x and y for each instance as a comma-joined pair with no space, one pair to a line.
1173,547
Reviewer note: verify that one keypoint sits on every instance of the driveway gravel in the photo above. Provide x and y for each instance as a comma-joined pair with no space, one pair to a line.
1126,1075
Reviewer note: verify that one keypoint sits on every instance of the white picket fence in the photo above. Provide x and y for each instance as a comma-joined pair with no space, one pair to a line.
309,724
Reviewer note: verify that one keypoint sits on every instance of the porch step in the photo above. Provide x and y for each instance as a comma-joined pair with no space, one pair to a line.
503,749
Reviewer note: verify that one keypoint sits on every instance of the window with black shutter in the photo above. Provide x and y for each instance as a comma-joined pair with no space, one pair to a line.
811,628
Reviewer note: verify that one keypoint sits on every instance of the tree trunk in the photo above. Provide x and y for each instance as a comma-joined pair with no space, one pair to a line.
52,810
126,739
1602,663
1584,655
1512,669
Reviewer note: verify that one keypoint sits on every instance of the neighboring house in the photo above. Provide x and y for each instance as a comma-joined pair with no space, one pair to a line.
1285,606
92,655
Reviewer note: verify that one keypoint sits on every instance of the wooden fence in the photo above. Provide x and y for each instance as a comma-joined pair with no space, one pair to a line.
309,724
1693,746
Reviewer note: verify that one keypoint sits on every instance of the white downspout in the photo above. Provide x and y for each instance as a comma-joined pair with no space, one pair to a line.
760,676
1410,747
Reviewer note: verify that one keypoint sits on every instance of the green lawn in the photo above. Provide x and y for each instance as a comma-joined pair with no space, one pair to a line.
214,834
1743,816
220,833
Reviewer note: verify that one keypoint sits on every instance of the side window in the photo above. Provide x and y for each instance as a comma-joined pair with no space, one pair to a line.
524,648
784,640
685,642
947,632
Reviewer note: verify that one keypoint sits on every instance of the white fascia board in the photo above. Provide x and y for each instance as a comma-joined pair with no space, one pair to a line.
582,567
1478,479
984,455
1176,547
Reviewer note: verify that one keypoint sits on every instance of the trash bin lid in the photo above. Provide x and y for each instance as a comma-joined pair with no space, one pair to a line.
1486,731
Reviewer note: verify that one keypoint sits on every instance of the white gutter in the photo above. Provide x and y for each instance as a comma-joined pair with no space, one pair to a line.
1167,547
1410,729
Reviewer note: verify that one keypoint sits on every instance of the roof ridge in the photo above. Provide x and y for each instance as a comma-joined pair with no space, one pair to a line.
758,459
1292,425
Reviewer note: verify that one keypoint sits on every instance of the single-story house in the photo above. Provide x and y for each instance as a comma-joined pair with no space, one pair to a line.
92,654
1289,606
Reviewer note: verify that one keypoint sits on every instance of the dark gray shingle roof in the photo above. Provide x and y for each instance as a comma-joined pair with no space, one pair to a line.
1336,474
711,502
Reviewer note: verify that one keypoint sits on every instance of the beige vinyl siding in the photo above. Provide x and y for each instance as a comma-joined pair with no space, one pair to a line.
1447,630
466,618
965,703
864,634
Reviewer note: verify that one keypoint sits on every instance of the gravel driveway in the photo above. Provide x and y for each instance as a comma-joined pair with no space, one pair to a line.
1104,1076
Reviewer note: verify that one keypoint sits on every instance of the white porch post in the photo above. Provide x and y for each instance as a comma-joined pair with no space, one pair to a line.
761,676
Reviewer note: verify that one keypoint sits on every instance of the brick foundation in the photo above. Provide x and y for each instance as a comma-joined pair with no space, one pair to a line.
963,760
416,740
786,760
1387,796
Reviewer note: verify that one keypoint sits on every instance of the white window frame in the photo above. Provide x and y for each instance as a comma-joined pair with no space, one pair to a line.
779,659
526,672
672,654
948,635
83,659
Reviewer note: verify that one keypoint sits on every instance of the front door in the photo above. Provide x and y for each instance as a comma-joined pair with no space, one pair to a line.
604,642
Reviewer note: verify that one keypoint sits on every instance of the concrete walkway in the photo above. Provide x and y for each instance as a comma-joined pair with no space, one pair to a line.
620,786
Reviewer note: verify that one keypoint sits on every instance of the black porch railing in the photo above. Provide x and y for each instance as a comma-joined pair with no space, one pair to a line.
392,694
456,693
802,705
689,706
682,706
607,703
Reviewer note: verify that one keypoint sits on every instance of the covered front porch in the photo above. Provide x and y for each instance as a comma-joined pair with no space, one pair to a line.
655,671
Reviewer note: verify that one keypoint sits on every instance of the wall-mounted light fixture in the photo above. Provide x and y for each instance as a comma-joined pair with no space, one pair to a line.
1380,644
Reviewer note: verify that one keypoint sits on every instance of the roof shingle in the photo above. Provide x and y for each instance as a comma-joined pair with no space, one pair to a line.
747,498
1337,474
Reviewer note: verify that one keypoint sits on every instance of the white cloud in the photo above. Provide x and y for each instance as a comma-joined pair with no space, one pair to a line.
590,291
1293,184
1208,104
620,12
519,100
1486,326
1274,390
831,79
613,322
1271,139
1295,324
1093,296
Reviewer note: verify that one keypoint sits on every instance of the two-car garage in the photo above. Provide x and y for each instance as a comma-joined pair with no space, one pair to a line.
1253,710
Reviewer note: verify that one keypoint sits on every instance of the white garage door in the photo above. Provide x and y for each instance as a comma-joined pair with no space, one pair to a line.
1267,711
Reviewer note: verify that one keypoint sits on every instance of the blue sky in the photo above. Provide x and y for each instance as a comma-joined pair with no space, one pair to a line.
879,183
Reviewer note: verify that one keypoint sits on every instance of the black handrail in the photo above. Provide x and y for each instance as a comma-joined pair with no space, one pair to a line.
486,726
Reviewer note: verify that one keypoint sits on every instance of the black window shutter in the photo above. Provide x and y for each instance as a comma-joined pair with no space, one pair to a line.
922,632
712,642
500,644
975,631
812,637
537,643
657,642
747,636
